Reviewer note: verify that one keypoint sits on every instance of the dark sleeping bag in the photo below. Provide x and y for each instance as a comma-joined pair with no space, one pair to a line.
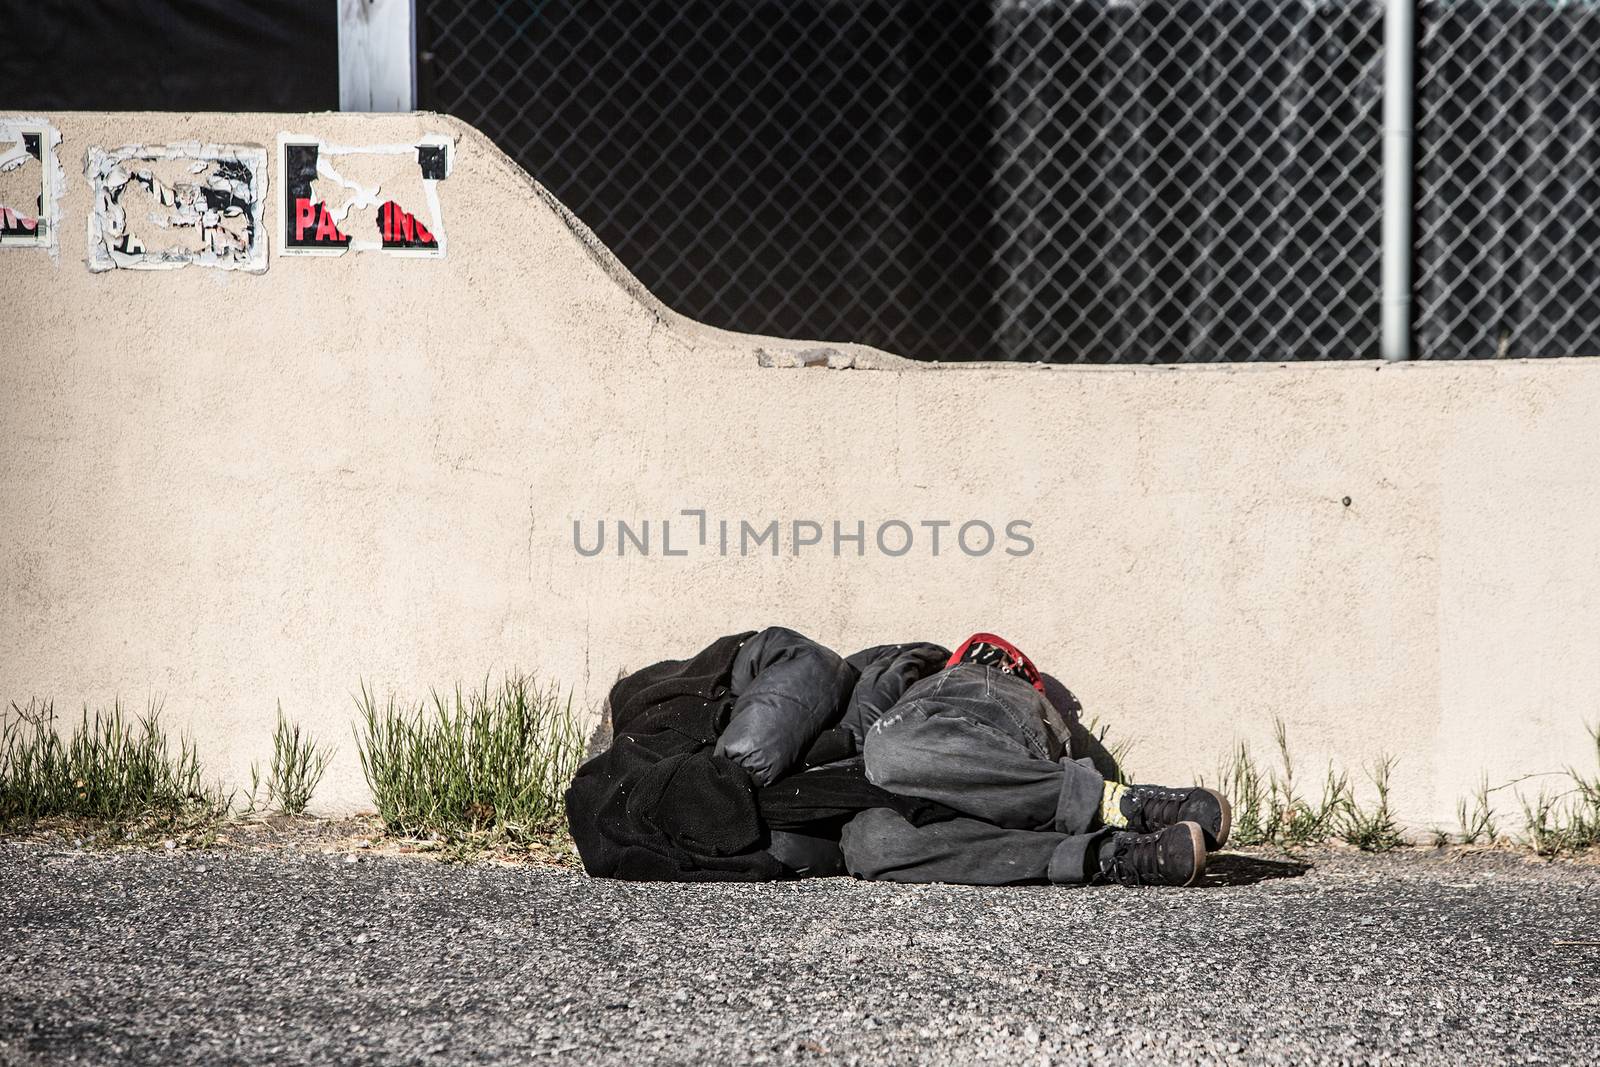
659,805
790,689
663,803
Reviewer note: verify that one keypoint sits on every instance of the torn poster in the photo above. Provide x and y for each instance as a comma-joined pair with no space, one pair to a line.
31,183
162,206
370,198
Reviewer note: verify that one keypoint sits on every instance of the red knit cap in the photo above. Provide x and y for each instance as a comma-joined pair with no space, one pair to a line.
1002,655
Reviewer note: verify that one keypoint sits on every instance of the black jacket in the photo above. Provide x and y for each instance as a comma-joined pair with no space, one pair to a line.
747,749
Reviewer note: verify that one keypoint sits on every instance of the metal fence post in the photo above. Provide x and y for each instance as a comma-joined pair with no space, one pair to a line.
377,55
1399,109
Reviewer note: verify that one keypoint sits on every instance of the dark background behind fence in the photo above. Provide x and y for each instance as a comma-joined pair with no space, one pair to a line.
1043,179
956,180
1508,179
169,55
1071,180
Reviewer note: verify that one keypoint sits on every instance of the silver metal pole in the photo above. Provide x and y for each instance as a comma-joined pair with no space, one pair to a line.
1399,104
377,55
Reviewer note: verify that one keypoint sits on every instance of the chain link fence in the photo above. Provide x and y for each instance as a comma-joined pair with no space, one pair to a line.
1107,181
1508,179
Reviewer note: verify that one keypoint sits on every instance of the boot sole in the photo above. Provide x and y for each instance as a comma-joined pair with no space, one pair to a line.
1226,825
1198,836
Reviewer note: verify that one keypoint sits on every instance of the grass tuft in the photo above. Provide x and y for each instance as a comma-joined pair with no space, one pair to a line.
111,767
1568,821
1478,824
1242,783
1270,808
1296,819
1373,829
298,764
481,765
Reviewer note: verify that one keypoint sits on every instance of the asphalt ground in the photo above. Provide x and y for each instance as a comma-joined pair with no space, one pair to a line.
293,956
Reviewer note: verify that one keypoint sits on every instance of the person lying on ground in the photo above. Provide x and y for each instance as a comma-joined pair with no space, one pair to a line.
769,756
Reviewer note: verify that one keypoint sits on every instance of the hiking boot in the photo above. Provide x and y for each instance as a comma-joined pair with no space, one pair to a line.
1175,856
1150,808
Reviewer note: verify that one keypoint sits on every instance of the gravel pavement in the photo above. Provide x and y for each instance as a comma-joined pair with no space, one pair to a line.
295,957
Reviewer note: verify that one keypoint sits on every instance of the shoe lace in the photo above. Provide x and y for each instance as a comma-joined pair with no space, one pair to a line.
1129,861
1158,806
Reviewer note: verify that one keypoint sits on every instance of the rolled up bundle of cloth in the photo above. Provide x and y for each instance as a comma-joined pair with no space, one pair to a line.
769,756
743,762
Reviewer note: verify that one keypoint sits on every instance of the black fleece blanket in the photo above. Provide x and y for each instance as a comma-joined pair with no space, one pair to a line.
660,805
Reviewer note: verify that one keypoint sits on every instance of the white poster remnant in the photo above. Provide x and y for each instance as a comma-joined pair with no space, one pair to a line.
31,183
164,206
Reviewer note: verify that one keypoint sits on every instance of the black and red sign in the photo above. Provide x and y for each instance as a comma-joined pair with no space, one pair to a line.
309,225
401,229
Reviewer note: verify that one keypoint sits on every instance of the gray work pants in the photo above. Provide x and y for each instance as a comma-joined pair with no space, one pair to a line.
974,739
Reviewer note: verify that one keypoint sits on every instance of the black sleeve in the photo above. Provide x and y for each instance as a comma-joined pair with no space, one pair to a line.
789,690
886,672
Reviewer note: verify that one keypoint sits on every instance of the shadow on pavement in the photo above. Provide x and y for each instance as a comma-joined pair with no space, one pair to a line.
1232,869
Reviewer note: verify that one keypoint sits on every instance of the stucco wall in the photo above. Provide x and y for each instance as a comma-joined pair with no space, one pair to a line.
232,490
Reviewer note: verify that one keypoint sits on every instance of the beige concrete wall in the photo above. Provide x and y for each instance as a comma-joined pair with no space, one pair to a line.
234,490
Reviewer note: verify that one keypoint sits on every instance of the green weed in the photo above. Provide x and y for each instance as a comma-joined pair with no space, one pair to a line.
486,763
298,764
1116,752
1373,829
1245,789
1478,824
1269,806
1297,820
111,767
1568,821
